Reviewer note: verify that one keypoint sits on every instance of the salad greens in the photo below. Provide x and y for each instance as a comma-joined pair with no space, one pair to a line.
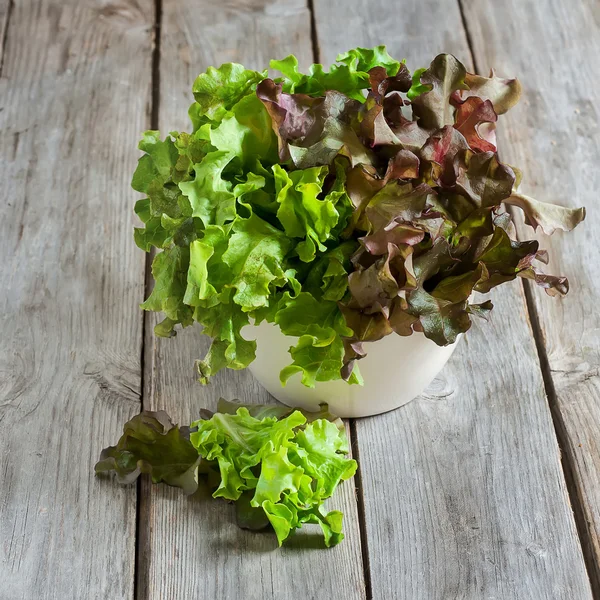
278,464
343,205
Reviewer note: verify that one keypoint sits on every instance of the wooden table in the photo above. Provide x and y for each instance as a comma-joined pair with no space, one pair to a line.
486,487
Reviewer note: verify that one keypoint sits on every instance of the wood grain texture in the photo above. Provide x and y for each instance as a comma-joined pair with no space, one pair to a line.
6,7
70,113
191,547
463,489
554,134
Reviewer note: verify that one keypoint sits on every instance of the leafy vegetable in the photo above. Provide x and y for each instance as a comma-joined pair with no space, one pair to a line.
278,464
342,205
152,444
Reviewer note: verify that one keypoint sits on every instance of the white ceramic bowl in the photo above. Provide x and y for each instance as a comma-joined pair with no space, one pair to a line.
395,370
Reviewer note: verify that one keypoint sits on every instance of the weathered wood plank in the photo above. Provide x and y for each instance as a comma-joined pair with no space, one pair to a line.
6,7
191,547
463,490
70,113
554,134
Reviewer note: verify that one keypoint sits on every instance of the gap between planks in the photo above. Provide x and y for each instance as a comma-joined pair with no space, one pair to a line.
140,575
566,458
4,33
360,504
352,434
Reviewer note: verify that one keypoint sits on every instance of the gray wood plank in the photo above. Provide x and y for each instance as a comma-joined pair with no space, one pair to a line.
191,547
71,110
6,7
463,489
554,134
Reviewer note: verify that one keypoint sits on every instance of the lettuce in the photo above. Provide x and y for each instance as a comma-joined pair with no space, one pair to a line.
342,205
278,464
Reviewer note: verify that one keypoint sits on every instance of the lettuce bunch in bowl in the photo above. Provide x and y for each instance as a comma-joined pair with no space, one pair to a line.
343,205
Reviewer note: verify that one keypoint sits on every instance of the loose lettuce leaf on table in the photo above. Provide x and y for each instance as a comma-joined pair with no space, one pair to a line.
291,466
277,464
152,444
260,411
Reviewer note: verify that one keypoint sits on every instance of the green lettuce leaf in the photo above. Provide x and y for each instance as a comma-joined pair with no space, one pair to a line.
159,158
291,466
223,323
301,212
255,256
246,132
341,78
152,234
260,411
218,90
210,196
169,269
364,59
314,361
320,327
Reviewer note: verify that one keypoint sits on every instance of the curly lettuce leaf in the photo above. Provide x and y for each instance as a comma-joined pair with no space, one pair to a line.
207,274
396,202
152,234
341,78
315,362
152,444
302,213
443,313
312,131
350,77
246,132
255,256
290,466
320,327
365,59
549,217
224,323
211,196
502,93
475,119
169,269
158,160
444,76
165,213
218,90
